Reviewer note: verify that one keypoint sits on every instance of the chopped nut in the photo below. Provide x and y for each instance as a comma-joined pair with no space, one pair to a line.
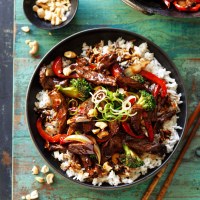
26,29
49,178
68,70
34,47
70,54
45,169
92,113
53,11
40,13
35,170
39,179
34,194
28,197
95,131
102,134
101,125
107,167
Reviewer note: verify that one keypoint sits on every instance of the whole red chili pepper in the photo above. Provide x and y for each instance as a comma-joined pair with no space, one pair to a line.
156,90
148,127
128,130
57,69
155,79
46,136
167,3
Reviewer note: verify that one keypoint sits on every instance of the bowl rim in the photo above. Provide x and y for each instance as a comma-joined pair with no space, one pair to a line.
156,169
53,27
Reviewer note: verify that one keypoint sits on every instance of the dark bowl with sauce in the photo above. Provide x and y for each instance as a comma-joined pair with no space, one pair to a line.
74,43
152,7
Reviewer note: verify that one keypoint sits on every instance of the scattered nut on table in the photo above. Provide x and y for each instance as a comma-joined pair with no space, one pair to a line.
33,195
26,29
53,11
39,179
34,45
35,170
49,178
45,169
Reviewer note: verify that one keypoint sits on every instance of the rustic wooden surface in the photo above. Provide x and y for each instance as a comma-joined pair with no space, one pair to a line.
6,35
179,38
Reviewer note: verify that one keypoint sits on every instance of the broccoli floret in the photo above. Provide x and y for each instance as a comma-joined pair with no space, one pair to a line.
79,88
138,78
130,158
146,100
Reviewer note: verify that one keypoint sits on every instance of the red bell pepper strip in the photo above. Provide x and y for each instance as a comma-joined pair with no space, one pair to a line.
57,69
128,130
155,79
187,8
116,70
46,136
148,127
156,90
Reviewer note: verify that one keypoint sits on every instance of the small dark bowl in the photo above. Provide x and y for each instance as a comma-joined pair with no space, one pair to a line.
151,7
41,23
74,43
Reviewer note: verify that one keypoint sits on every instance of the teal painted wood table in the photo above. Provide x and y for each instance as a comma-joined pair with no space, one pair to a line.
179,38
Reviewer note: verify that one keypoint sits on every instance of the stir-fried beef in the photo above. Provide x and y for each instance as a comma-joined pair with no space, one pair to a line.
114,145
114,127
49,82
57,147
129,82
60,106
82,112
95,77
86,161
87,126
136,122
164,117
106,61
144,146
81,148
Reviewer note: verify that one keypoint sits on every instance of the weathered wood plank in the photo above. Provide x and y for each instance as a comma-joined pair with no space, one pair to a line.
179,38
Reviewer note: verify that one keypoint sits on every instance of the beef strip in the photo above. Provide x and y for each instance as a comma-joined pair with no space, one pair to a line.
112,146
82,112
129,82
161,119
87,126
114,127
95,77
106,61
81,148
57,147
141,146
49,82
86,161
60,106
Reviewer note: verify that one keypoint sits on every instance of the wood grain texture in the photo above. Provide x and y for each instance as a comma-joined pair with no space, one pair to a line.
179,38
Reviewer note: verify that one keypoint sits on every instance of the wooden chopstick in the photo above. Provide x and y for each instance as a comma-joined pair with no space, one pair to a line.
153,184
178,162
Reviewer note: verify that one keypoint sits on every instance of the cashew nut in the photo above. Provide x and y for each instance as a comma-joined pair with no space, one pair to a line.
49,178
34,47
26,29
45,169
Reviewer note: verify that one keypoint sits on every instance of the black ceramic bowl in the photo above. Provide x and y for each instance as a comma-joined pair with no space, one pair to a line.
74,43
151,7
41,23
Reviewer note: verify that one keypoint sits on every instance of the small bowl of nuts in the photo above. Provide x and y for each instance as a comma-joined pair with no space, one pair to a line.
50,14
